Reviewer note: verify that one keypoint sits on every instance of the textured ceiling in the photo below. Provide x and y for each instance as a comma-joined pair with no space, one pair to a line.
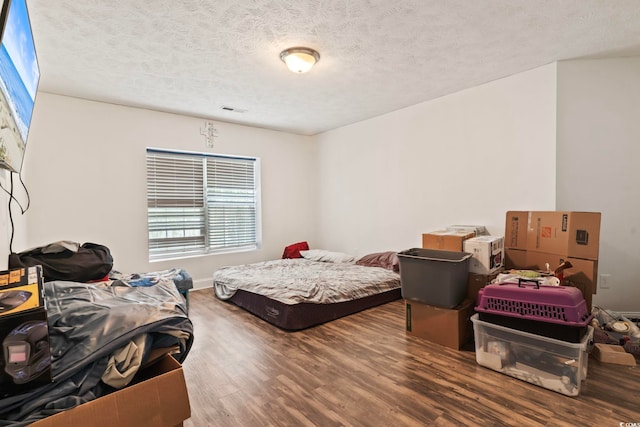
193,57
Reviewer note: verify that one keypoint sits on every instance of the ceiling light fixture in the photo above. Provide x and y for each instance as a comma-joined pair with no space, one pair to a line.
299,59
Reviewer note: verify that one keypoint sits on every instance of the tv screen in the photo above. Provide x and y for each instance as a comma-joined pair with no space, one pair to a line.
19,77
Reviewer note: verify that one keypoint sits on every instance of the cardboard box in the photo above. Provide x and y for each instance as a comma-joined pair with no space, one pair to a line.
570,234
25,353
21,289
614,354
446,240
581,270
479,230
582,274
488,253
477,282
450,327
157,398
515,230
21,276
515,259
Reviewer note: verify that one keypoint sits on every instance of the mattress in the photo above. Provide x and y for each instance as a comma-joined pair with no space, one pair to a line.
294,317
295,294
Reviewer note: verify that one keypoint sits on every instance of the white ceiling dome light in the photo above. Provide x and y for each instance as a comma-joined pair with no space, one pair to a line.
299,59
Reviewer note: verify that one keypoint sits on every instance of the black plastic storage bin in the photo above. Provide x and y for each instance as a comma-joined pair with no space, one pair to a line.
573,334
434,277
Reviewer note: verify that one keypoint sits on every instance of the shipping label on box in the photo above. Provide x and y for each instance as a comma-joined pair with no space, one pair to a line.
515,231
21,289
446,240
571,234
488,253
26,354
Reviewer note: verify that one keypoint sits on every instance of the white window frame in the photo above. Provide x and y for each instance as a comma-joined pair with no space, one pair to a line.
201,203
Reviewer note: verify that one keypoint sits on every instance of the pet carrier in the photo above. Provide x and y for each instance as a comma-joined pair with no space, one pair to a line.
558,312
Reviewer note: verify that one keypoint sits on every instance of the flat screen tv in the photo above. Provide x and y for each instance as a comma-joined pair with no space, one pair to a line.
19,77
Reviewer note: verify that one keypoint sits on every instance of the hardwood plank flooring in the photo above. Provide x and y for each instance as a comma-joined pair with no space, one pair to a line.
363,370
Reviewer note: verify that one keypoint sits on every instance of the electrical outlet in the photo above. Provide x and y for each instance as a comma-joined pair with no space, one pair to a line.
604,281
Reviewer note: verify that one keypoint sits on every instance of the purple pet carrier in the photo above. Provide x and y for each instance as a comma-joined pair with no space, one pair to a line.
558,312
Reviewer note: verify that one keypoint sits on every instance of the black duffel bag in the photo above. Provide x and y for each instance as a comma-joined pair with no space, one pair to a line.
66,260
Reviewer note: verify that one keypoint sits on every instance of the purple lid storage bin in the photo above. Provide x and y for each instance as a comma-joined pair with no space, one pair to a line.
563,305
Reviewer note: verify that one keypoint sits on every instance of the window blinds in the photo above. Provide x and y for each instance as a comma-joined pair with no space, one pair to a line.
200,203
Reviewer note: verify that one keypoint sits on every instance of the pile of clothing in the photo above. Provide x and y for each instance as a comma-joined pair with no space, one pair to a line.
100,335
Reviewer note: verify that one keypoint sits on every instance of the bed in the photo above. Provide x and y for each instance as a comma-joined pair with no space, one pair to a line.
321,286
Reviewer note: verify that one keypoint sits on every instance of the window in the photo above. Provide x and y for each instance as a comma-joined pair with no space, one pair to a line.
201,203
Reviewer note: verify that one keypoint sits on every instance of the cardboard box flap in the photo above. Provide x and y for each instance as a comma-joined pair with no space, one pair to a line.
159,398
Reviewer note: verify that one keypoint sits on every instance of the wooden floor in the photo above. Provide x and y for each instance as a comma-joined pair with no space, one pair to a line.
363,370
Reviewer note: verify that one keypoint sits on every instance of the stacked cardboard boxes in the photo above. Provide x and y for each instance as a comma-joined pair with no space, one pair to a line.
451,326
543,240
487,251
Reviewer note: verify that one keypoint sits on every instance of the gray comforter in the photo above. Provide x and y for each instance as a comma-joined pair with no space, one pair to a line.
88,323
293,281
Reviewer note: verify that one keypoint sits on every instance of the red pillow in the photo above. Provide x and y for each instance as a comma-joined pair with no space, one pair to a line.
293,251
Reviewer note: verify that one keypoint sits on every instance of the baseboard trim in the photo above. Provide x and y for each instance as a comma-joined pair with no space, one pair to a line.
202,284
631,314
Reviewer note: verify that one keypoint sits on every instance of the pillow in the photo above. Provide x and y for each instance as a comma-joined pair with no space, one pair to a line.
388,260
326,256
293,251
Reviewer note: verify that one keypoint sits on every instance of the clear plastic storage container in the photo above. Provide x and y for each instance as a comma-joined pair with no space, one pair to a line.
550,363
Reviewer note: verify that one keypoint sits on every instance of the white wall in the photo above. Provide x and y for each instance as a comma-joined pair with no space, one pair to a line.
465,158
598,165
85,170
18,228
374,185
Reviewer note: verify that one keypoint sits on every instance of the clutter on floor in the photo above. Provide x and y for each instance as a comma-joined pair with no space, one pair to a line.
614,329
531,292
76,344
